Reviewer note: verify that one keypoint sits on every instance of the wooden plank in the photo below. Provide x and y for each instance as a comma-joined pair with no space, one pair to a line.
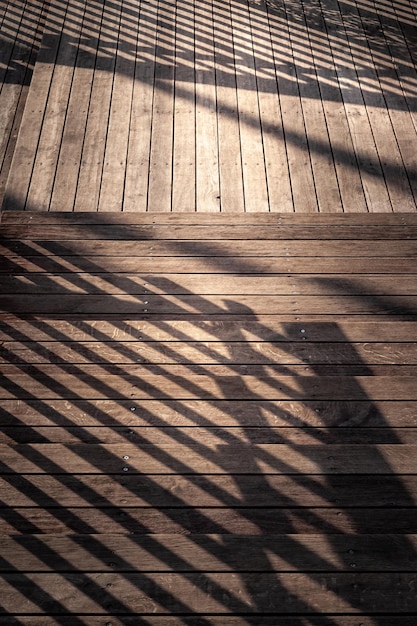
266,414
208,436
148,368
250,125
259,233
70,265
184,143
322,370
91,382
205,218
248,353
160,160
211,305
220,593
137,165
206,135
199,552
115,156
90,174
189,458
214,284
218,248
273,138
178,498
230,161
248,520
265,328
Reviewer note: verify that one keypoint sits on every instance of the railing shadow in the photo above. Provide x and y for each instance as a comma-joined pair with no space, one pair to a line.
108,29
207,61
226,490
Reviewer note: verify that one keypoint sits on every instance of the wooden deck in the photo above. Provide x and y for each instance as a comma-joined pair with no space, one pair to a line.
208,420
217,105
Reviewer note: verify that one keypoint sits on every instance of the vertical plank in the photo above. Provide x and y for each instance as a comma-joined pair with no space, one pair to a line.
303,190
65,185
276,158
89,181
230,160
160,165
253,161
207,164
184,149
138,153
114,167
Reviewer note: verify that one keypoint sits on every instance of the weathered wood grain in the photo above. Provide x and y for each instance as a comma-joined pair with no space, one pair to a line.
167,593
193,458
123,382
208,436
161,140
204,265
231,218
235,304
214,284
221,413
250,520
339,494
196,552
215,352
267,328
230,161
140,127
173,232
